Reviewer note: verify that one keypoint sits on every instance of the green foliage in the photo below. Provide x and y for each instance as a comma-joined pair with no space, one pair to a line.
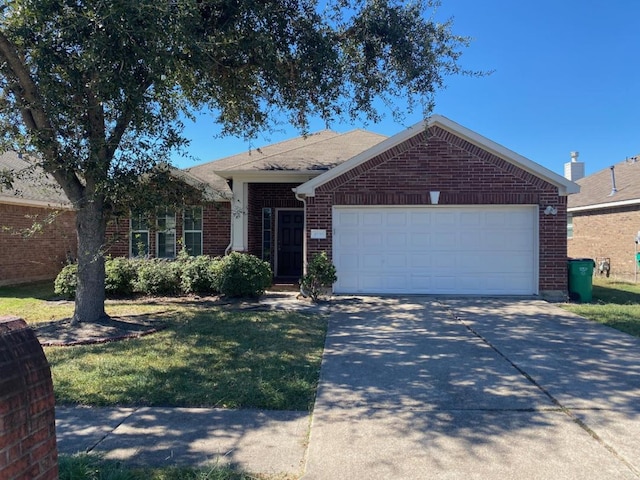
158,277
244,275
321,275
98,90
237,275
120,275
67,281
197,274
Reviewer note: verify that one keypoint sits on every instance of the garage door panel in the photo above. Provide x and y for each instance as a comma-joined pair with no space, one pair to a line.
445,239
395,219
373,240
441,250
372,219
396,261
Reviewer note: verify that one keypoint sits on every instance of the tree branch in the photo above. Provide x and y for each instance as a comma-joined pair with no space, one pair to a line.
35,119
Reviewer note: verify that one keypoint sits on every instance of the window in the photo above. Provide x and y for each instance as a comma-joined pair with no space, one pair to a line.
266,235
166,234
569,225
139,236
192,230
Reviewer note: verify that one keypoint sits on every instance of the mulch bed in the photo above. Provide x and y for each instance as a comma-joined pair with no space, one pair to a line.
63,333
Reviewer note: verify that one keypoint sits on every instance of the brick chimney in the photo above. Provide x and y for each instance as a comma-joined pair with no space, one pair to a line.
574,170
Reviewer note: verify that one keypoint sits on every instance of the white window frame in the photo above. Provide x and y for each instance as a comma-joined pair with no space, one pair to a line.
185,231
140,219
165,216
569,225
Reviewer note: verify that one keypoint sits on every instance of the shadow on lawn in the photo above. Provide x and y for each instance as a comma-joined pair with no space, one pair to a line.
616,293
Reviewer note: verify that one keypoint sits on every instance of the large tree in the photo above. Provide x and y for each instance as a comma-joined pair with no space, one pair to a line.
95,89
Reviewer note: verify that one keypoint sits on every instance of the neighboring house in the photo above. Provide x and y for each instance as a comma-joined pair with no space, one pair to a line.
37,224
435,209
604,219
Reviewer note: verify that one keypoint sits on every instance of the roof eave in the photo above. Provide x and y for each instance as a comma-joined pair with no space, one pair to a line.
601,206
26,202
270,175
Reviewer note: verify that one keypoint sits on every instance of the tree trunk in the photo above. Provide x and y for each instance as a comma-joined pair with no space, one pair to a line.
90,293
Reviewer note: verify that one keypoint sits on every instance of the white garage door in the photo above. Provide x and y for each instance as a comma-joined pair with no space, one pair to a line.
436,250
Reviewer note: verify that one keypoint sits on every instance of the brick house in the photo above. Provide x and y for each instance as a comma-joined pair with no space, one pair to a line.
436,208
202,229
604,219
37,225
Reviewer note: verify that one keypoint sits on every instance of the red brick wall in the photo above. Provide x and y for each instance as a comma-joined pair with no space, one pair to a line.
463,173
263,195
607,233
216,232
39,256
28,447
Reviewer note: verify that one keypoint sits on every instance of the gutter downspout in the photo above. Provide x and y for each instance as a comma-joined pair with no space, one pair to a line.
303,199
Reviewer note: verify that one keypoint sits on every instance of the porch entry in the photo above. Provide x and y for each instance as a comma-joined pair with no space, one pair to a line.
290,228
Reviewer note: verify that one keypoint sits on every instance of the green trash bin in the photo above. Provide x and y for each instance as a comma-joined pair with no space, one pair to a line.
581,279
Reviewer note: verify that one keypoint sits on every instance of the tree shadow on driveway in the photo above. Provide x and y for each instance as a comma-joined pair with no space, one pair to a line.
476,388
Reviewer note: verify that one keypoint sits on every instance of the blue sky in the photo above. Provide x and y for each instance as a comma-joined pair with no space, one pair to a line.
566,77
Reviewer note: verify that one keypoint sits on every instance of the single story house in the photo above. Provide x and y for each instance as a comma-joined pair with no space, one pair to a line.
37,224
604,219
435,209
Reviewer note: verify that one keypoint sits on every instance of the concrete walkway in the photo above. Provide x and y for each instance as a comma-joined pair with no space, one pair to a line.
418,387
259,441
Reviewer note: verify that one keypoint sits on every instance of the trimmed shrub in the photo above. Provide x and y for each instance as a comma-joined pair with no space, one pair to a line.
321,275
196,274
243,275
158,277
120,275
67,281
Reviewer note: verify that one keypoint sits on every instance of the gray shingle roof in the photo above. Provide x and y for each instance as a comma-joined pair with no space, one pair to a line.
30,185
319,152
595,189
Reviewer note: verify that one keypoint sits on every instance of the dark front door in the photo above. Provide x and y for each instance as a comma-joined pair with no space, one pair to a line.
290,229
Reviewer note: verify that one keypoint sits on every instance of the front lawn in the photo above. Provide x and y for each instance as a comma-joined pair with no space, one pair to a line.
208,355
92,467
616,304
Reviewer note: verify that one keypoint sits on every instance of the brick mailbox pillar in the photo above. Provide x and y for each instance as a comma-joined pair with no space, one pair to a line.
28,447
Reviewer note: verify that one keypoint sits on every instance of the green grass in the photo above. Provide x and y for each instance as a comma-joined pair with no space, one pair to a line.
616,304
92,467
38,303
207,356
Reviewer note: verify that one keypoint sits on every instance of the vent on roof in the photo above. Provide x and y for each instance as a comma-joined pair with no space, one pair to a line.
614,190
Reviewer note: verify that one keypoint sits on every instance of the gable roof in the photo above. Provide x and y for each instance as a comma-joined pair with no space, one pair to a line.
596,189
564,186
317,152
30,185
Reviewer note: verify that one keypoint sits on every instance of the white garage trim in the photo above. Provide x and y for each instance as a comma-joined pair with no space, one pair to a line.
460,250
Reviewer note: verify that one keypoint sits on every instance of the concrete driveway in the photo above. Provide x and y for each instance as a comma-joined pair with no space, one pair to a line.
418,387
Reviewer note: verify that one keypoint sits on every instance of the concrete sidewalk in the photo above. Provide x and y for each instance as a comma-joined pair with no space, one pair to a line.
474,389
256,441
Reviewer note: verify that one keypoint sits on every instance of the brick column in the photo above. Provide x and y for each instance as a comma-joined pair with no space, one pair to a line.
28,447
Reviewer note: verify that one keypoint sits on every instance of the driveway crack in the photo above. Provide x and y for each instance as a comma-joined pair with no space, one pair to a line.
566,410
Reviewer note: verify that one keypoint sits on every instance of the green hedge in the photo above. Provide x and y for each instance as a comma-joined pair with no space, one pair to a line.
236,275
